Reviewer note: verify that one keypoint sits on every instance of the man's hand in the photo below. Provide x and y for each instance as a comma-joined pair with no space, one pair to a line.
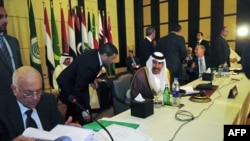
23,138
94,85
69,122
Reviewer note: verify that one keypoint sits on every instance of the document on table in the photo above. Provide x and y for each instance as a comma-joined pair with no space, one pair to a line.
60,132
189,90
120,133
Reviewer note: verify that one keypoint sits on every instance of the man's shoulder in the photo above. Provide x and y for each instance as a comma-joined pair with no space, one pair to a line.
9,37
6,98
48,97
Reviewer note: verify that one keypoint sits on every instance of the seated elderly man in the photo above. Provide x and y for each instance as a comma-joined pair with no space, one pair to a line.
28,106
151,78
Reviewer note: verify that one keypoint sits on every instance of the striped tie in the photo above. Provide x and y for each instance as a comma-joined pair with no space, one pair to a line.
202,67
5,53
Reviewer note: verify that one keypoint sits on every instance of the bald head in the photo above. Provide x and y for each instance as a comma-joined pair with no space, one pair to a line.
24,73
27,86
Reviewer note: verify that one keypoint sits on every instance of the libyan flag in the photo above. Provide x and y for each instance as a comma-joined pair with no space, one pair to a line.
34,50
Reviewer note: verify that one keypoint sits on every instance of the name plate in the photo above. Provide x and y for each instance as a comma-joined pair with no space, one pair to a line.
233,92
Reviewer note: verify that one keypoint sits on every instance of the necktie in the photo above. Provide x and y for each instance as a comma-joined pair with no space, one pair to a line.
202,66
30,121
5,53
198,43
133,60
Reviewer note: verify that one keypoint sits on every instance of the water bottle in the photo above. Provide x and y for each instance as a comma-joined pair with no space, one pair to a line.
175,92
220,70
225,67
166,95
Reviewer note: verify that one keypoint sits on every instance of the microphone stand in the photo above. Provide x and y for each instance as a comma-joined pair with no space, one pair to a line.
72,99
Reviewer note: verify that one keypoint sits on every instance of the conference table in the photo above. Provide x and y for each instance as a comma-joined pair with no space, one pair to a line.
209,118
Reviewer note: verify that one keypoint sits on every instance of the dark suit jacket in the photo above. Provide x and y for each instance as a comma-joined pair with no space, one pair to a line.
5,71
11,121
221,52
75,79
194,72
129,62
145,50
174,49
206,44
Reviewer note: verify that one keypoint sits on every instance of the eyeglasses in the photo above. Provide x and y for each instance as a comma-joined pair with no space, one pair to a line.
29,93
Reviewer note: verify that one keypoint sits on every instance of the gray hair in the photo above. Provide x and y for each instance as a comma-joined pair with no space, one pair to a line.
24,71
149,30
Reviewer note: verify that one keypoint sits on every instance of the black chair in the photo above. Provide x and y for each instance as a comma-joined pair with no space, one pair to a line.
119,86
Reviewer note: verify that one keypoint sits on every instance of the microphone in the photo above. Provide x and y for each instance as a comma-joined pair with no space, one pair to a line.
85,114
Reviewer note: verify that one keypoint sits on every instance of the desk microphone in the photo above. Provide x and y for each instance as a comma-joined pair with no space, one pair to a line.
85,114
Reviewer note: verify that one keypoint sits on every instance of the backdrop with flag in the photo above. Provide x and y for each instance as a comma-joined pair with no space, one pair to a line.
84,31
34,49
72,43
90,34
78,33
49,50
55,41
111,67
65,47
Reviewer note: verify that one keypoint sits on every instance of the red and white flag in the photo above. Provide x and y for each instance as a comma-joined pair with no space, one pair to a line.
84,32
72,43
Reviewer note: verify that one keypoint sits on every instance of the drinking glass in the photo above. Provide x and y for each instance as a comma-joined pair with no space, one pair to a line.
157,102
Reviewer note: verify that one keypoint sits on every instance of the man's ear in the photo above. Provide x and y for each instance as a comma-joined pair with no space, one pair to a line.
13,87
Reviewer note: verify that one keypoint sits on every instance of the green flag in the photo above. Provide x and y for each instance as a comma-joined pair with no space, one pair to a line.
34,49
56,48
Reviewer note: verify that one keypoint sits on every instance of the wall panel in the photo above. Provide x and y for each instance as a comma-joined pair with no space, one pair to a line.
183,9
130,30
163,12
205,25
205,8
147,15
230,6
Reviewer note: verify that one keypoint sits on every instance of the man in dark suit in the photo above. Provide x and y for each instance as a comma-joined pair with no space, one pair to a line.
205,43
245,59
146,47
132,62
174,50
28,95
221,49
75,79
199,64
11,46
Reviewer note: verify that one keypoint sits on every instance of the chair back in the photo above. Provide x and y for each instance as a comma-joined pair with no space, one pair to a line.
119,87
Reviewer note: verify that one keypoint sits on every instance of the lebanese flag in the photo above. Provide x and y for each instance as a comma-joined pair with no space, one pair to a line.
84,32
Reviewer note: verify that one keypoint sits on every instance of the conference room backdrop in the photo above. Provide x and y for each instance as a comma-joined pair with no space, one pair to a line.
129,19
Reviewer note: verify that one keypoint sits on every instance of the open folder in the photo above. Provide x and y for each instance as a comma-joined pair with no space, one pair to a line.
60,133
